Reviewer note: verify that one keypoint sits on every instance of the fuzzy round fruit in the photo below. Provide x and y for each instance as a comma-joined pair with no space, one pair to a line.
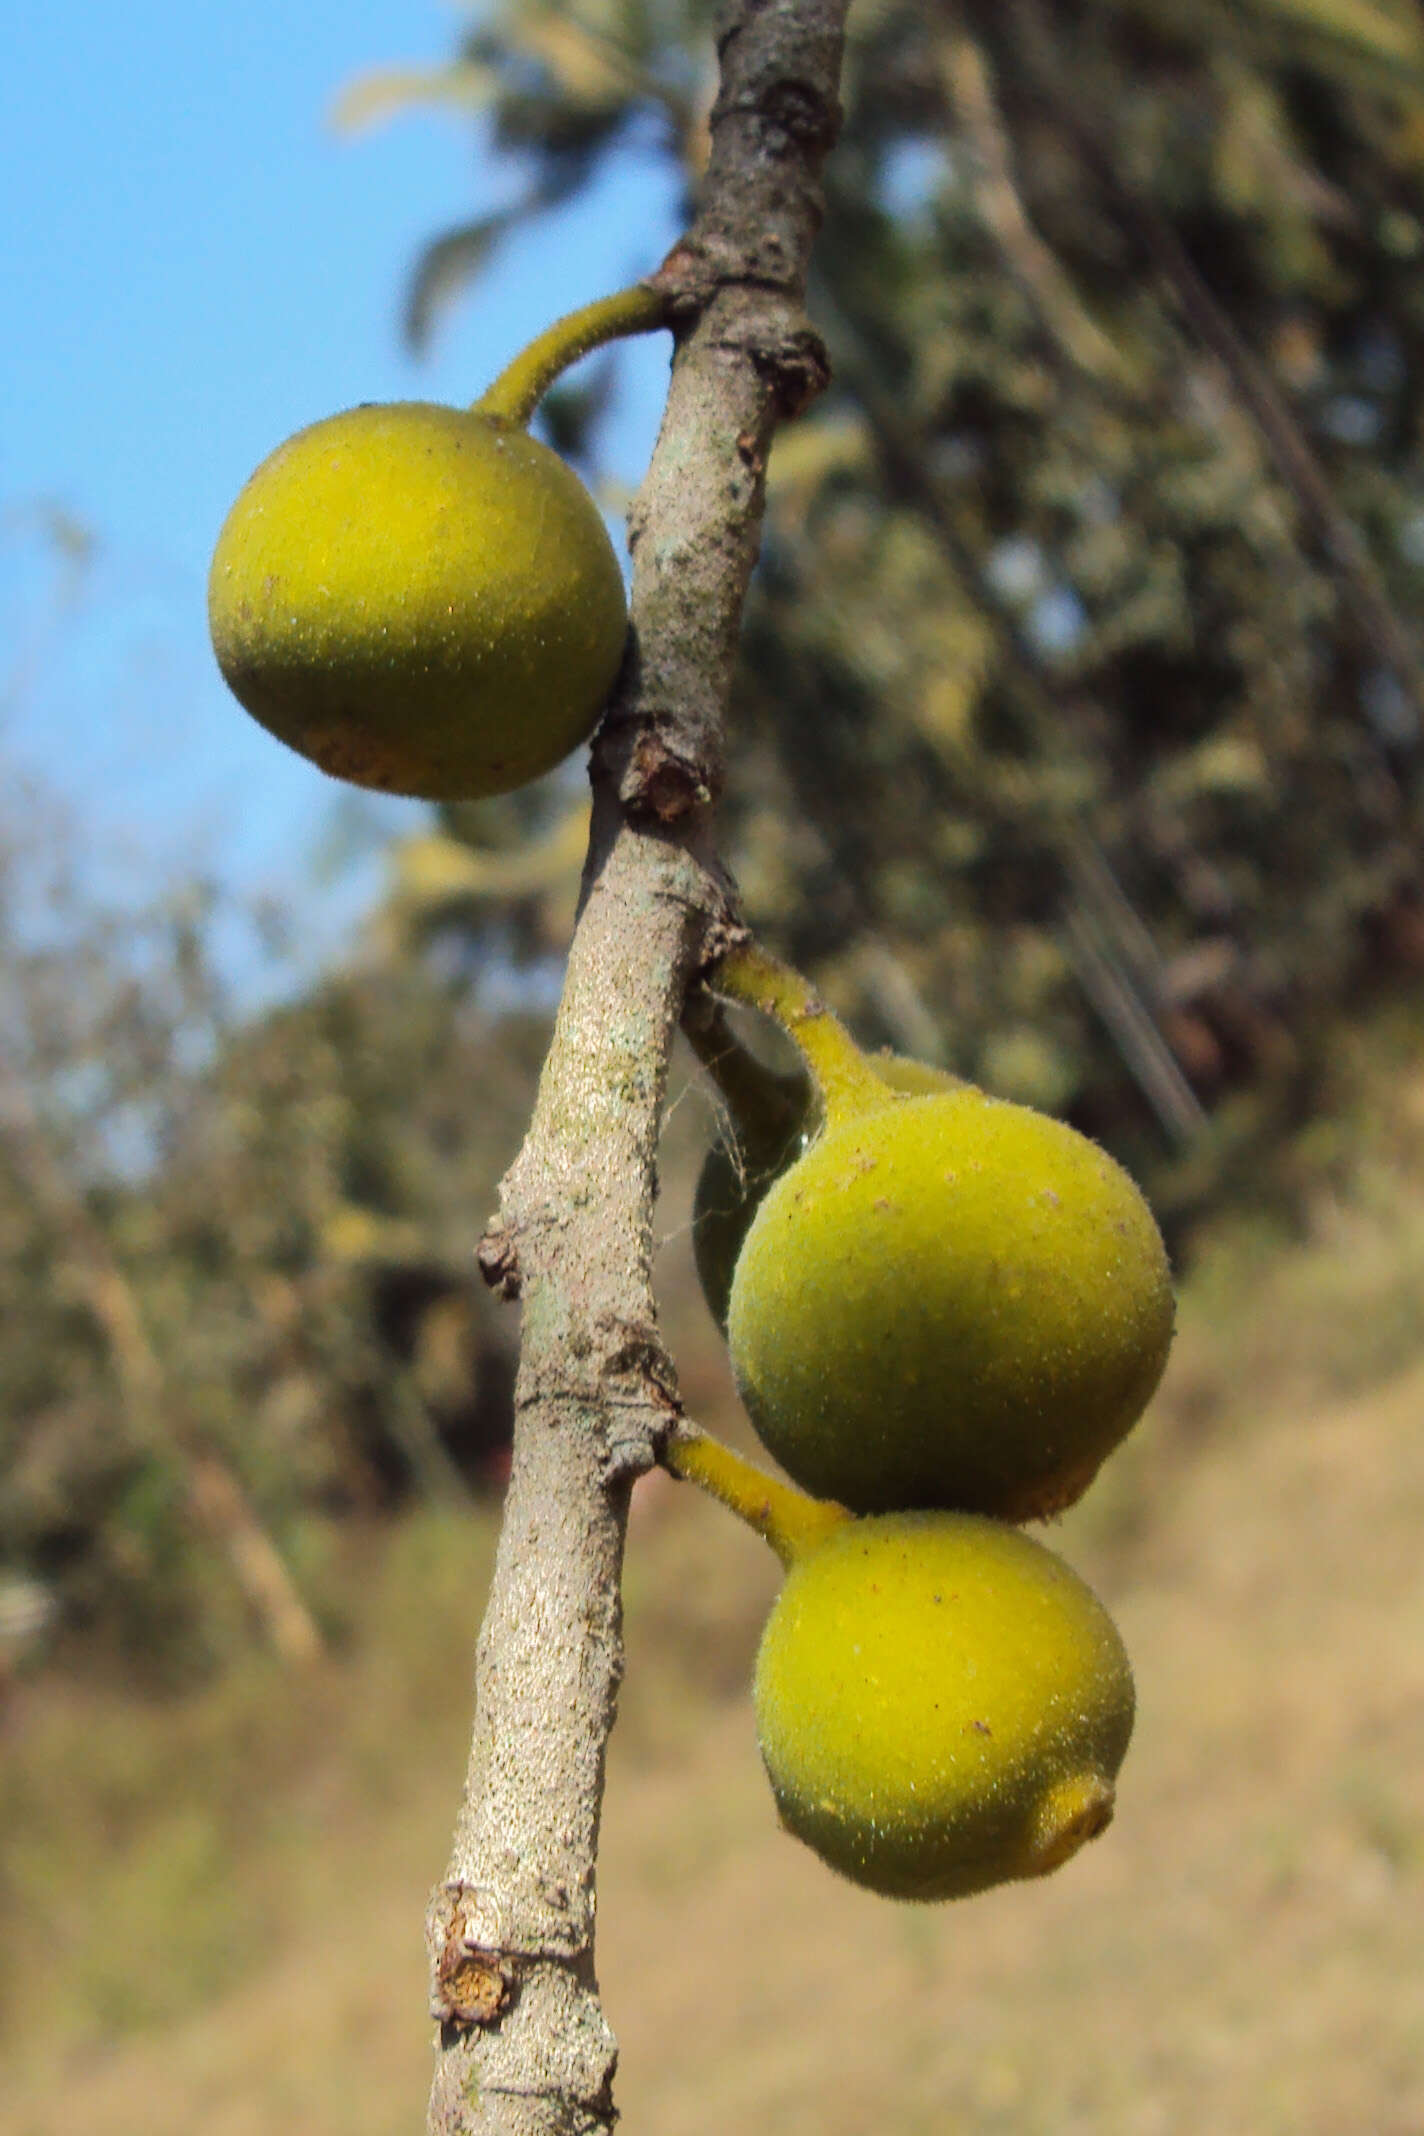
949,1301
734,1180
420,599
941,1704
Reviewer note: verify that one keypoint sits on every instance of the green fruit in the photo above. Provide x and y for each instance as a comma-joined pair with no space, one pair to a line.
942,1704
421,599
735,1177
949,1301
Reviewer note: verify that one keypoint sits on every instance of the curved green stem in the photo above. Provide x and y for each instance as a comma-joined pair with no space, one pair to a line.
845,1081
788,1519
522,384
767,1107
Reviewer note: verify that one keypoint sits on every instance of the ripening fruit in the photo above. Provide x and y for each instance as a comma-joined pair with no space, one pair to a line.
949,1301
769,1136
419,598
941,1703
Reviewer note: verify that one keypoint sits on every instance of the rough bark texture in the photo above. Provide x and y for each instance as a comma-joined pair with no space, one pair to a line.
524,2046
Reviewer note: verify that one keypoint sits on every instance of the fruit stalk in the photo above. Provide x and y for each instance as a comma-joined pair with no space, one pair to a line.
845,1081
789,1519
522,384
766,1104
765,1123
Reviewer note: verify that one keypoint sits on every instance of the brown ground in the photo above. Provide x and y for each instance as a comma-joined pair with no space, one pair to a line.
236,1944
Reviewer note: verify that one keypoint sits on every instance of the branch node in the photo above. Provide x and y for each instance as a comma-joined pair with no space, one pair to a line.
660,782
626,1457
687,280
794,115
720,938
796,368
498,1258
635,1351
471,1978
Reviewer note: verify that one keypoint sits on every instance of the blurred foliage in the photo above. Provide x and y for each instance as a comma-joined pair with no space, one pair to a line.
238,1278
1077,740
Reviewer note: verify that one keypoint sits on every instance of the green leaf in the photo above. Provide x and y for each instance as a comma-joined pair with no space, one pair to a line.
446,267
373,98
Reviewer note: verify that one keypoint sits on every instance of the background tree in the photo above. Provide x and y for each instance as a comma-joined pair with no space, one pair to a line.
1078,712
238,1277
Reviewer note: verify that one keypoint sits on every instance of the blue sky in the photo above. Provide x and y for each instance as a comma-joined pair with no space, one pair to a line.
194,264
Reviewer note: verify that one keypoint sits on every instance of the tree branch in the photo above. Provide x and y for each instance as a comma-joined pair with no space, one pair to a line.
524,2046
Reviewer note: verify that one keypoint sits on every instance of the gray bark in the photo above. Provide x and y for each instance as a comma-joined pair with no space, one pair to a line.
524,2047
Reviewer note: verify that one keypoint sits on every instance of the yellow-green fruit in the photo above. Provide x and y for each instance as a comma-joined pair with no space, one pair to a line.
733,1183
418,598
941,1703
949,1301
